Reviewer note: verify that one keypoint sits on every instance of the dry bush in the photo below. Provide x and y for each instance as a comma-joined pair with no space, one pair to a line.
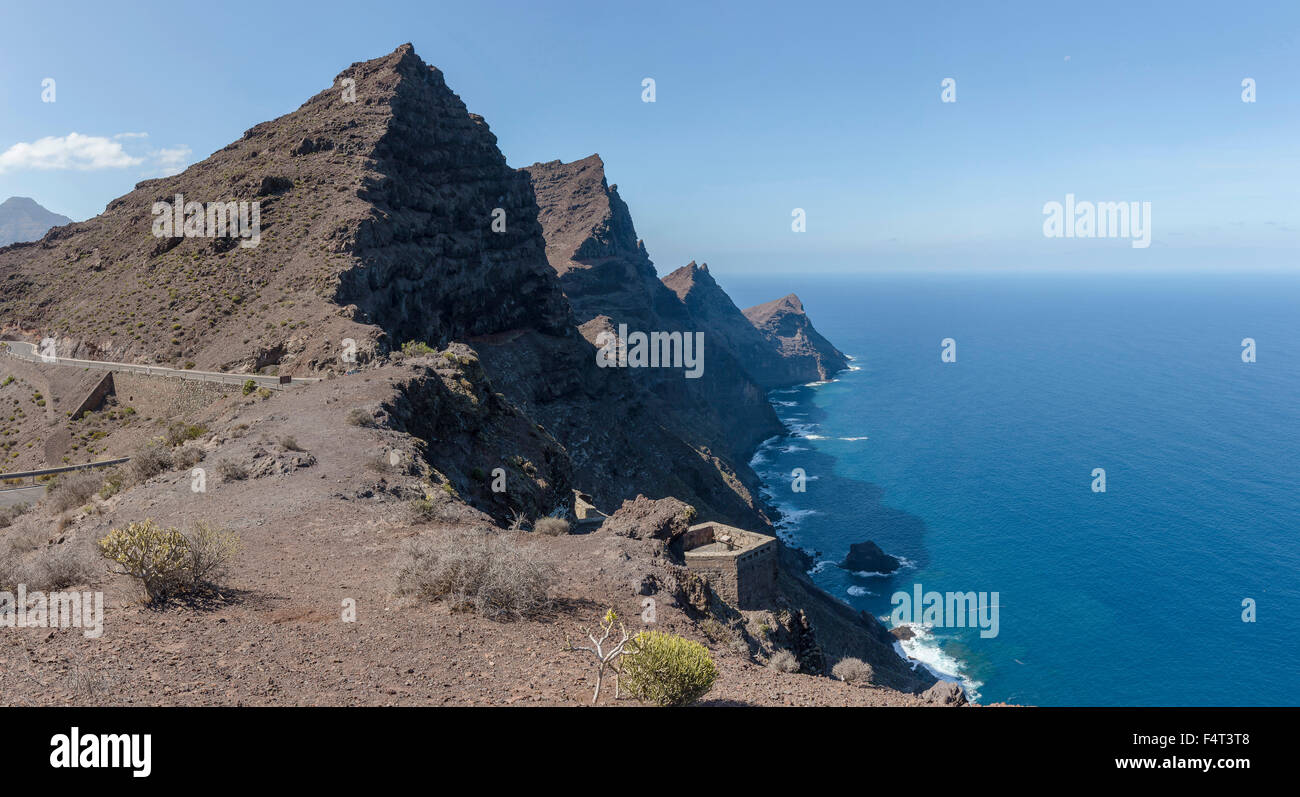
490,574
167,562
783,661
57,568
211,551
186,457
148,461
551,526
360,417
290,443
72,489
9,513
853,671
232,471
179,432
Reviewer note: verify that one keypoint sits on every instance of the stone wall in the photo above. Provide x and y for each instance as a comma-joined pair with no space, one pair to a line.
744,577
160,397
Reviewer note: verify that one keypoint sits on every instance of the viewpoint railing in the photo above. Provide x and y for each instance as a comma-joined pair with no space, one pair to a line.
27,351
35,474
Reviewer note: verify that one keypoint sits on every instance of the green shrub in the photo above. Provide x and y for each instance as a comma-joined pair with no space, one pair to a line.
166,561
666,669
158,557
416,348
180,431
249,386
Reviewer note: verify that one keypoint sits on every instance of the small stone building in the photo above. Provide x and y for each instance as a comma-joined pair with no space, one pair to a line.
740,565
586,517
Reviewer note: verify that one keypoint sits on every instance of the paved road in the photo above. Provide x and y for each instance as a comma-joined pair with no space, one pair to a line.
21,495
27,351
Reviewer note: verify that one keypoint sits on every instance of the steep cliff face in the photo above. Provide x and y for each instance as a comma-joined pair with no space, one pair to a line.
609,280
384,210
784,323
387,214
712,310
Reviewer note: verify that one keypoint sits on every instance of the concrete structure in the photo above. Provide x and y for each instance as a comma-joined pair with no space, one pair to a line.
739,565
586,517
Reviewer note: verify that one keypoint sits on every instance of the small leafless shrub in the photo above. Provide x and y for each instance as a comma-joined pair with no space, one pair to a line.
360,417
9,513
231,470
784,661
148,461
487,573
290,443
72,489
211,550
186,457
551,526
853,671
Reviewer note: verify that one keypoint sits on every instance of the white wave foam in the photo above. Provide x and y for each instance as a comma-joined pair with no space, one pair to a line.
924,649
857,591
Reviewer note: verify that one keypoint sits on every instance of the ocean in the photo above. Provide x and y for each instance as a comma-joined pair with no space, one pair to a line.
979,474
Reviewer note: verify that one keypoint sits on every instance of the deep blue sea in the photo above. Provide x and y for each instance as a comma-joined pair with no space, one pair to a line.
979,474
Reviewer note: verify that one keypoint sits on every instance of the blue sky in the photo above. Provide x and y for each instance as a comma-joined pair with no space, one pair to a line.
760,108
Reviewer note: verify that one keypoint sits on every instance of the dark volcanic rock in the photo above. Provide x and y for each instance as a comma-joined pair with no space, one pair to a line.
609,280
866,557
644,518
784,322
946,693
713,311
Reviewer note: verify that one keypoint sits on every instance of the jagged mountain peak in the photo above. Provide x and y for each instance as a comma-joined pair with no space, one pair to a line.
385,210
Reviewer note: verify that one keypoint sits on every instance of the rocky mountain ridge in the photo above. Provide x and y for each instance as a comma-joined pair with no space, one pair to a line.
396,245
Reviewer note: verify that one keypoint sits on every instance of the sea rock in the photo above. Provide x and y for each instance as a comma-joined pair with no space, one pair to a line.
866,557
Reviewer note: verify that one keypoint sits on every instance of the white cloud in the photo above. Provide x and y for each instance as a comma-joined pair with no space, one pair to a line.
171,161
131,135
73,151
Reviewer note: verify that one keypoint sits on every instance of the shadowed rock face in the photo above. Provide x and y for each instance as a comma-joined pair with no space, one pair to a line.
383,204
22,219
784,323
377,224
763,358
609,280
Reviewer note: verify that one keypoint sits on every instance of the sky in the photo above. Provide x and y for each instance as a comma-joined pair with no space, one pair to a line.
760,109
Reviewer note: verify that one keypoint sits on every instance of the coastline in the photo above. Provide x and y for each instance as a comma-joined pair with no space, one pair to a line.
917,648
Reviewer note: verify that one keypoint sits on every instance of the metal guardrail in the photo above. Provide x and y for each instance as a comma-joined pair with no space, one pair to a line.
216,377
34,474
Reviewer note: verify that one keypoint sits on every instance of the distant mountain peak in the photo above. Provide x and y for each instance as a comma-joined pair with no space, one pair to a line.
23,219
